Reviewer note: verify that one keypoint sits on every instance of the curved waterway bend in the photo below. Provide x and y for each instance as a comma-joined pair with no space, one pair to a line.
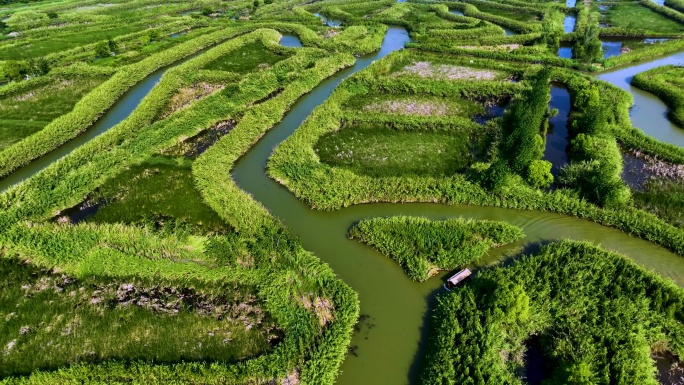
649,113
386,348
121,110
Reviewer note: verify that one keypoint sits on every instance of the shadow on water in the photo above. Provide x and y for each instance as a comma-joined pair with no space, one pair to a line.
670,369
536,369
426,325
557,136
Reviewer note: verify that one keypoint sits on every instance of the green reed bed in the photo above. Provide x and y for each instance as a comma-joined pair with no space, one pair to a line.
636,16
53,319
569,297
664,198
492,9
96,102
160,191
361,9
677,5
29,109
316,312
423,247
382,152
247,58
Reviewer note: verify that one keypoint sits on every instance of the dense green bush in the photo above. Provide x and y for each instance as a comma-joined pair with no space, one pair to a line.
539,174
422,247
595,314
595,159
524,126
587,45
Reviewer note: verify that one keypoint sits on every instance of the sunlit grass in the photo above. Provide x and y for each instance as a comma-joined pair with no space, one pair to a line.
386,152
23,113
162,191
246,59
635,16
50,320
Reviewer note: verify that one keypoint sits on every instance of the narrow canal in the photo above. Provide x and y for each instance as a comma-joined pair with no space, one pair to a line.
557,134
121,110
395,316
648,113
386,348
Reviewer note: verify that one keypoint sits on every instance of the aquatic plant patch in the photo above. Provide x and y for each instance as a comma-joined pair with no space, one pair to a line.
419,105
447,72
569,296
316,331
246,58
482,6
89,320
377,151
40,105
664,198
636,16
160,191
423,247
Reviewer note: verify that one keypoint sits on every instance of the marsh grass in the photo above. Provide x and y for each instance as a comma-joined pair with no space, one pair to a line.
136,52
382,151
635,16
247,58
405,104
30,110
51,320
62,42
422,246
504,13
160,190
664,198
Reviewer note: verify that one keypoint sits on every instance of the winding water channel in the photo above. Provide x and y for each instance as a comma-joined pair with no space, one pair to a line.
395,309
121,110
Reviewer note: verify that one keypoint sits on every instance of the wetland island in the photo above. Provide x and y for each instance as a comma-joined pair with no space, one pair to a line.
349,192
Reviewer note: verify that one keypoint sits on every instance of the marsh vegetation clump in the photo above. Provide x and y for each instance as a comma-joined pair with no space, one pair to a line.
65,317
423,247
446,72
569,296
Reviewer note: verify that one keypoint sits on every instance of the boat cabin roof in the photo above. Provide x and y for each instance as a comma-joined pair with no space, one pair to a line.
460,276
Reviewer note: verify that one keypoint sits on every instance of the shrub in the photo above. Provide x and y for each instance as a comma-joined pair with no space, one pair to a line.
422,246
539,174
569,297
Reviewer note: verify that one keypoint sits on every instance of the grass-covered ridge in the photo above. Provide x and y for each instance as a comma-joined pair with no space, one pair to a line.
316,312
423,247
596,315
667,83
64,317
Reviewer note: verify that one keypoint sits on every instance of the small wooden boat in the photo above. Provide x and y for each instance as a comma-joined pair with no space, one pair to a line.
457,278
